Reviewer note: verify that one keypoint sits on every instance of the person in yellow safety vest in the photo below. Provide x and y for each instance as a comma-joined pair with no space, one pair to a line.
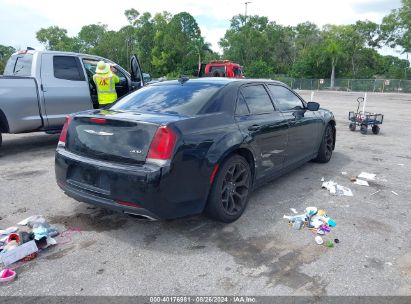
105,81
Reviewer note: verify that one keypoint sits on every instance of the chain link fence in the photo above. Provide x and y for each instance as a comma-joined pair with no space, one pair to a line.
349,85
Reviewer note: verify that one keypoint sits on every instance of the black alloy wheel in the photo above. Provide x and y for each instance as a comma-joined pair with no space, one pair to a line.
235,187
230,191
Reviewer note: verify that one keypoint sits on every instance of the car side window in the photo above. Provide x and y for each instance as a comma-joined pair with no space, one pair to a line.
242,108
257,99
286,99
68,68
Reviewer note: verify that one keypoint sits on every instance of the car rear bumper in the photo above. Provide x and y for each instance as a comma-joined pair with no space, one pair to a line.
142,190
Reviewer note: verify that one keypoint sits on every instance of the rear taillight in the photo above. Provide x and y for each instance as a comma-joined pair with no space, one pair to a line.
162,146
63,134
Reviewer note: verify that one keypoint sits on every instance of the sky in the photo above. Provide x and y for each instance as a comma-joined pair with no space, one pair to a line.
20,19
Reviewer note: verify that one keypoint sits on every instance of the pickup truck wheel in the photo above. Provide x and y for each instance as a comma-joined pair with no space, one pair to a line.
1,140
326,148
230,191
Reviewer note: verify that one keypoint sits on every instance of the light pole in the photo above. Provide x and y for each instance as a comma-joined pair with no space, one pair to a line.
245,15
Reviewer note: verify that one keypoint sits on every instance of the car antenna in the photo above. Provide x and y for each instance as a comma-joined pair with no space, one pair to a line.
183,78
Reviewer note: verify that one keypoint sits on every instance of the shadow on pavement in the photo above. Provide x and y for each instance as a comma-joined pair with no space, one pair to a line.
13,146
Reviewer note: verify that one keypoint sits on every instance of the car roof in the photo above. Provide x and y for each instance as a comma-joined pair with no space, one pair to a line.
58,53
218,81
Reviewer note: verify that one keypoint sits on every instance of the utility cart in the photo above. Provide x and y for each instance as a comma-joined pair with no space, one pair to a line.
364,119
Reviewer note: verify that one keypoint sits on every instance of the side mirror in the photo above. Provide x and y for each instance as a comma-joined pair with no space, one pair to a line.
313,106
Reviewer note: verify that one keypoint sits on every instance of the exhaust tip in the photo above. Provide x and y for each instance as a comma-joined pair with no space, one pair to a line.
140,216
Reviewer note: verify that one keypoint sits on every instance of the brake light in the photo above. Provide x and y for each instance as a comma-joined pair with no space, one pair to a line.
63,134
162,146
98,120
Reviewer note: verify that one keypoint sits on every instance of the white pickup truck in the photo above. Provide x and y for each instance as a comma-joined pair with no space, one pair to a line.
40,88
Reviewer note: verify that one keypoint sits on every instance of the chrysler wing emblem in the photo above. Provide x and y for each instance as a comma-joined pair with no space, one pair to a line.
101,133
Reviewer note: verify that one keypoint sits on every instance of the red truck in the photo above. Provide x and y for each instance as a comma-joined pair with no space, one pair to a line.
221,68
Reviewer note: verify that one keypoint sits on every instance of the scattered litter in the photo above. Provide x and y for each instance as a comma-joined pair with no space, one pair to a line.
17,253
336,189
329,243
314,219
293,210
375,192
24,243
7,275
325,228
401,165
361,182
388,263
298,223
393,192
344,173
353,178
322,179
368,176
8,230
319,240
336,241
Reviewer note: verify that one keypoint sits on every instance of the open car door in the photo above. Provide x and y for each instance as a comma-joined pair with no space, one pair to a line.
137,80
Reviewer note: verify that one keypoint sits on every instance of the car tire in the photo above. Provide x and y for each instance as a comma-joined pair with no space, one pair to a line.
326,147
1,140
353,126
364,129
376,129
230,190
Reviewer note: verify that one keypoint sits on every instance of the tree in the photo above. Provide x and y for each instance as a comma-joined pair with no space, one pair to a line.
396,27
201,47
5,53
333,47
90,37
55,38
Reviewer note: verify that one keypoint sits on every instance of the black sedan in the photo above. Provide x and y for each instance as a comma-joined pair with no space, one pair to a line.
179,148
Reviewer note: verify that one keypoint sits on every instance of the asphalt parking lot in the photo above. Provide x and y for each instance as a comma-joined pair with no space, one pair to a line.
112,254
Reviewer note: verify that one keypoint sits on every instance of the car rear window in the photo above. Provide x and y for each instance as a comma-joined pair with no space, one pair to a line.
19,65
186,99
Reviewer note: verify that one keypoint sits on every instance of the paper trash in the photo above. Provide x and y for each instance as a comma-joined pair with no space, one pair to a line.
365,175
336,189
361,182
18,253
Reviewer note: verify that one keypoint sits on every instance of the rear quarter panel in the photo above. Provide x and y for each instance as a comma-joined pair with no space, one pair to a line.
205,141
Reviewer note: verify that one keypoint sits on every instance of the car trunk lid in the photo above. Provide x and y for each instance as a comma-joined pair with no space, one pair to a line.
113,137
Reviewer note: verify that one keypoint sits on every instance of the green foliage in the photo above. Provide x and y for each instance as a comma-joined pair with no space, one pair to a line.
5,53
172,45
396,27
259,69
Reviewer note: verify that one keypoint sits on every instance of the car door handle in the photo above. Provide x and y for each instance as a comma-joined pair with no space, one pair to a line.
254,128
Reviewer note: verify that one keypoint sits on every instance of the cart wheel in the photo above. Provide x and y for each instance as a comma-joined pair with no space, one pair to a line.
375,129
353,126
364,129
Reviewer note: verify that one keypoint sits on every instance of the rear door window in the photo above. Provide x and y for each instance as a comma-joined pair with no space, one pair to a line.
287,100
19,65
68,68
242,108
257,99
